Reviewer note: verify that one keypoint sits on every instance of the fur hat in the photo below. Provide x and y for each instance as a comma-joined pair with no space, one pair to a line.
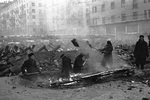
142,36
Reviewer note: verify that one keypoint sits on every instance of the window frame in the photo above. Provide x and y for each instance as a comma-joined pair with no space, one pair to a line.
33,10
135,4
135,15
40,4
123,3
103,7
113,17
33,4
123,17
112,5
33,16
103,20
145,14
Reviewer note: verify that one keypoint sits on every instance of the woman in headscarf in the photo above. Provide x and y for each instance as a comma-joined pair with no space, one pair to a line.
107,58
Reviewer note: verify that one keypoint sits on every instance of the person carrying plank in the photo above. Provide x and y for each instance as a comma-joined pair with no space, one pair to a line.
29,66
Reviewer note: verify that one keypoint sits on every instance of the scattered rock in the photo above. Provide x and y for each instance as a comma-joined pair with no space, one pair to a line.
145,99
110,97
140,90
14,87
129,88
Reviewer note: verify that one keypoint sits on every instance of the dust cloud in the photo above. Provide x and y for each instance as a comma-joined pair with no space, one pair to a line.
93,63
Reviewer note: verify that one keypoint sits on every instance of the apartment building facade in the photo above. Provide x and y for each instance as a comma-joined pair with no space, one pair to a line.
119,18
56,17
66,17
23,17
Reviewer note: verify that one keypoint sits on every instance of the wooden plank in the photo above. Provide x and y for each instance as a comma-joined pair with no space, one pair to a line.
92,75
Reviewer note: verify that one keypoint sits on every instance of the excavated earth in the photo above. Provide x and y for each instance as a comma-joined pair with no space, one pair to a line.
37,87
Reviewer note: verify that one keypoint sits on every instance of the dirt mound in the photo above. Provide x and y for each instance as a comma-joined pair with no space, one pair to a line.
30,81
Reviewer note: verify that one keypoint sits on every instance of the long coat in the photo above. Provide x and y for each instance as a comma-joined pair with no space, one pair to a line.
141,52
78,64
66,66
107,59
30,66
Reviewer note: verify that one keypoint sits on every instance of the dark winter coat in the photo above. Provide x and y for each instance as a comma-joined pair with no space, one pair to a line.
66,66
107,59
78,64
30,66
141,52
107,50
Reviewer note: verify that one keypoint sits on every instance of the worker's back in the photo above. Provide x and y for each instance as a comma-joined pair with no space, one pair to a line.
30,66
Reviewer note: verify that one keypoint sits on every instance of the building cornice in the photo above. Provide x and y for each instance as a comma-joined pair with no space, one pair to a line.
120,22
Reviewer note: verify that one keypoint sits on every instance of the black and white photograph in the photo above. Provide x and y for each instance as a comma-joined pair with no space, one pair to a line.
74,49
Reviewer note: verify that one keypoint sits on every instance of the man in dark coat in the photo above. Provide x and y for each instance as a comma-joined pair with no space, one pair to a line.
66,66
78,64
141,52
30,65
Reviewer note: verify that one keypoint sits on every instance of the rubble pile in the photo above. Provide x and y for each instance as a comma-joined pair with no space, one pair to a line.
13,56
125,52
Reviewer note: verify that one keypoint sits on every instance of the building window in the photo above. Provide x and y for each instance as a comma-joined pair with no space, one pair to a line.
41,29
33,4
33,10
95,21
113,5
135,15
145,13
34,23
103,20
145,1
41,23
33,16
103,8
93,0
149,13
135,4
40,11
113,18
88,22
94,9
34,29
123,17
87,11
28,16
40,4
123,3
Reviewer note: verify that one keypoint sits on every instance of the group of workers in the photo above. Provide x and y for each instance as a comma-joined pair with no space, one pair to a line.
140,53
